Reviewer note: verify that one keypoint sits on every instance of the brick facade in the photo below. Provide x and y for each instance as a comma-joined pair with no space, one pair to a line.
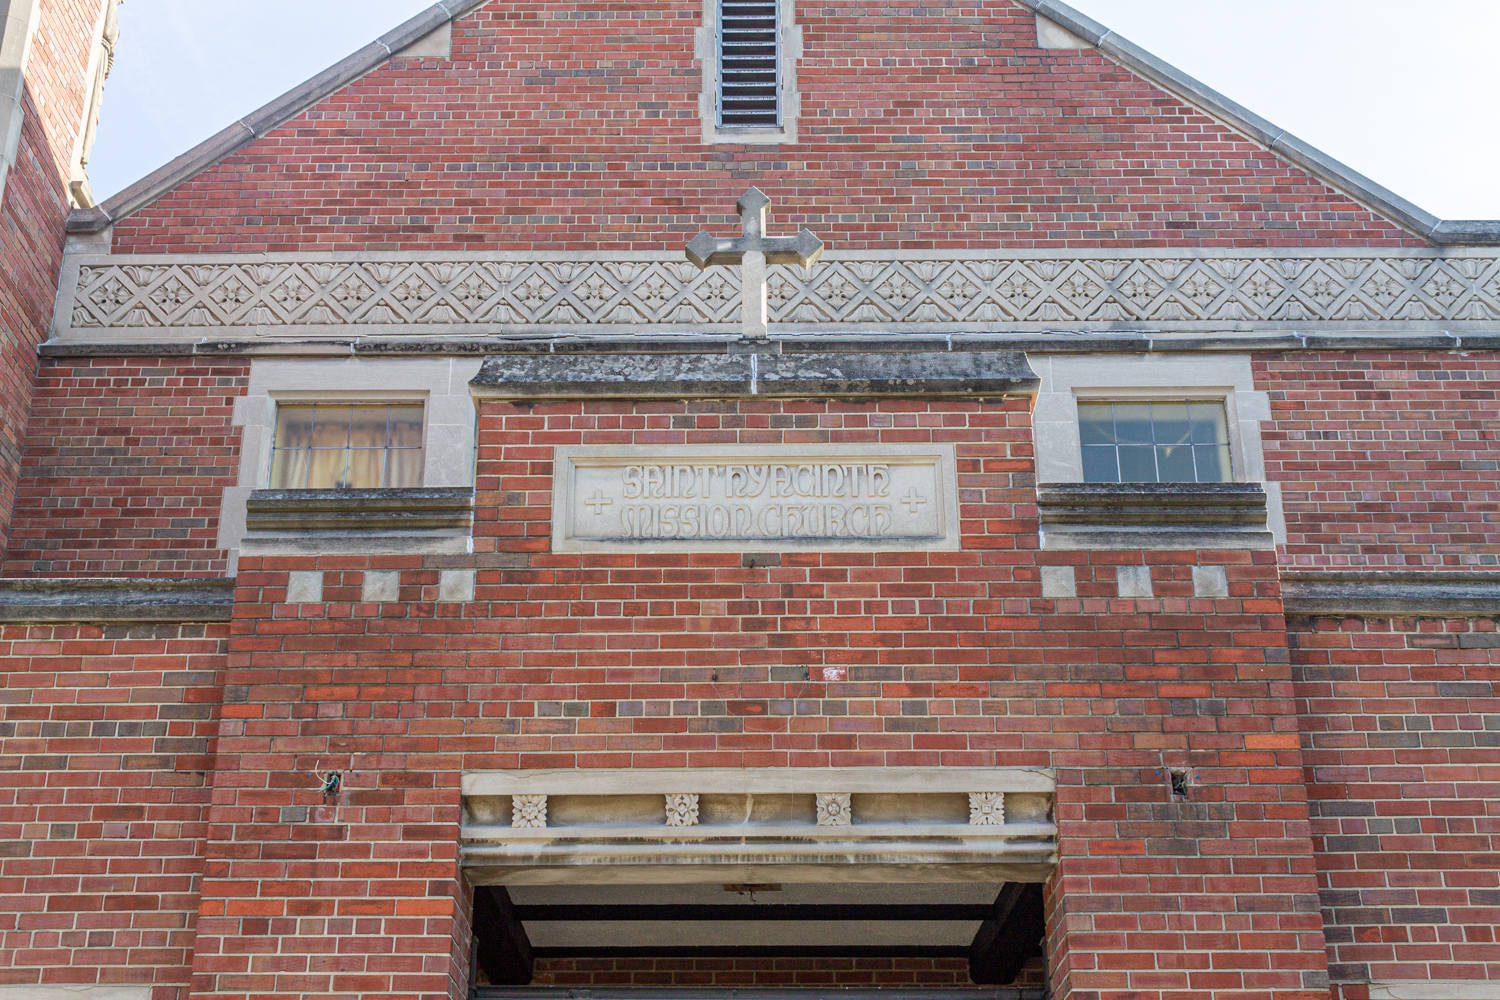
1400,728
1386,460
125,468
32,214
107,734
1249,806
580,130
783,972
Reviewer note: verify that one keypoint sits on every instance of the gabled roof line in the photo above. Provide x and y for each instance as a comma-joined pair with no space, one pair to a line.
1278,140
273,115
1120,50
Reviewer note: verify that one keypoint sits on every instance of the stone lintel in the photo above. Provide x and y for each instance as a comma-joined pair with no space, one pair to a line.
116,600
758,825
761,993
1155,516
826,375
1374,593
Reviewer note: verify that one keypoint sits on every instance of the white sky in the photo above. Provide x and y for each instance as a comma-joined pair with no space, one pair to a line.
1403,92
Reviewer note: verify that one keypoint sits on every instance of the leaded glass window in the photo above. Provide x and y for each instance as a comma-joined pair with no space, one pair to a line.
1154,442
323,446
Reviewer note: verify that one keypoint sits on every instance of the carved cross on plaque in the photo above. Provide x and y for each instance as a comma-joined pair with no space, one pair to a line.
753,250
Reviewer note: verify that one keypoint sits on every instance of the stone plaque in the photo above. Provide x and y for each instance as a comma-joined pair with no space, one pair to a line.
762,498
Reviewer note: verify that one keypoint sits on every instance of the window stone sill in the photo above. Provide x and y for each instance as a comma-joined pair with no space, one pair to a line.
1153,516
419,520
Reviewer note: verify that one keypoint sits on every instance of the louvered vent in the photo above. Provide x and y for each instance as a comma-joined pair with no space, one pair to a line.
749,65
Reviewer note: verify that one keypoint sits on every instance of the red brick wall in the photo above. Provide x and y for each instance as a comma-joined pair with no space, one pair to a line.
618,660
1386,460
32,214
561,125
106,739
126,462
1401,744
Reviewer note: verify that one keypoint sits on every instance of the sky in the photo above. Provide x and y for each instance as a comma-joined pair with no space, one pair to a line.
1402,92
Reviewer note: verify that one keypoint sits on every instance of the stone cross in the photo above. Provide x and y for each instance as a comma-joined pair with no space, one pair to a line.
753,250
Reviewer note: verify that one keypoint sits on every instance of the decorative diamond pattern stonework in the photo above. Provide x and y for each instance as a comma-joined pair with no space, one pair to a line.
986,808
528,812
834,809
682,809
1214,290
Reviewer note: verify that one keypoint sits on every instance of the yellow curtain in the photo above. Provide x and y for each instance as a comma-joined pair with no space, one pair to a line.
324,447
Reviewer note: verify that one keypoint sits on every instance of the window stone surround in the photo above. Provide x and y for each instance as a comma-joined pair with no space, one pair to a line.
1229,378
440,384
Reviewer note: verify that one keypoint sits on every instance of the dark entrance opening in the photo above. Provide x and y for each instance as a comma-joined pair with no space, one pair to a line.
525,934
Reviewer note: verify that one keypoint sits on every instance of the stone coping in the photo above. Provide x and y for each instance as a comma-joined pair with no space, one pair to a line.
116,600
1384,593
823,375
1155,516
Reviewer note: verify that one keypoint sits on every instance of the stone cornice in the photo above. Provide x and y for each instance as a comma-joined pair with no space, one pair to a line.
1061,343
756,372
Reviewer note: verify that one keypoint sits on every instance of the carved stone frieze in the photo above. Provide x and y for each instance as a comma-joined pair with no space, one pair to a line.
235,296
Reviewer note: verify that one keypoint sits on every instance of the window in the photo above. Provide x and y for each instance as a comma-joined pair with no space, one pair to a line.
325,446
1154,442
749,64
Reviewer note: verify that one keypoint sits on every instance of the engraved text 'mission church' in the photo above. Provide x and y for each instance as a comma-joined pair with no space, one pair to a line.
712,498
817,501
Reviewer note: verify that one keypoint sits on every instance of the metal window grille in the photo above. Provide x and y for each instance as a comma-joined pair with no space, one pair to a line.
749,64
